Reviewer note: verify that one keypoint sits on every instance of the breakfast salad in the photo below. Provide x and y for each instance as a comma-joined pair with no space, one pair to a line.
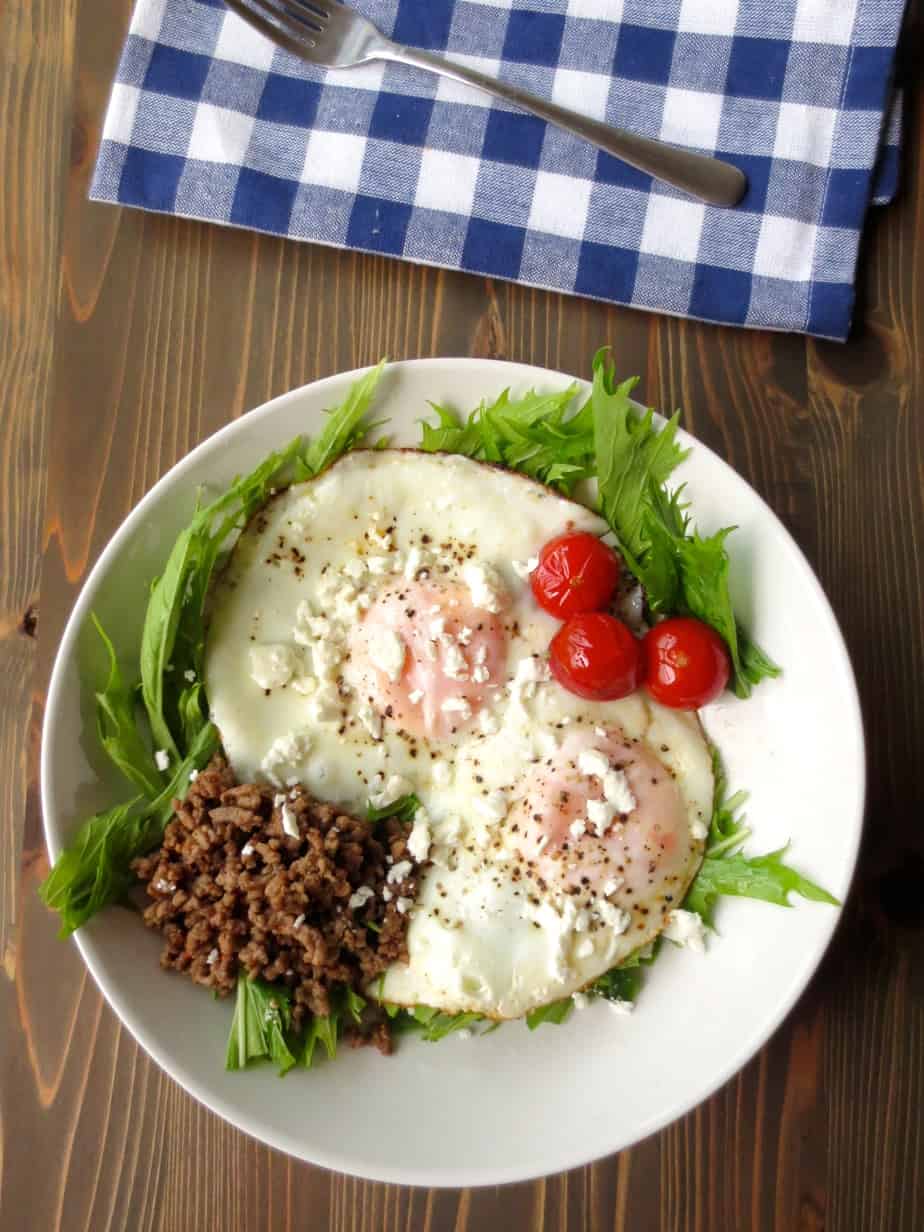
412,736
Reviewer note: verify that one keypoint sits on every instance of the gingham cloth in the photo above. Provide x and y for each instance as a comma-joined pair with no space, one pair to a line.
208,120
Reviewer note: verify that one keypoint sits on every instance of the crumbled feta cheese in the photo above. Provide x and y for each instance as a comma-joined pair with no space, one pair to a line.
464,636
584,948
189,675
437,627
324,706
387,651
415,697
611,886
601,732
419,839
247,849
355,568
580,1000
698,829
460,706
377,565
162,886
396,787
530,672
488,723
578,828
399,871
485,586
492,807
686,928
523,568
326,657
212,958
193,775
617,791
379,539
454,662
481,675
289,822
404,905
417,559
371,720
440,773
593,763
613,917
481,654
387,895
287,750
360,897
581,920
600,814
162,759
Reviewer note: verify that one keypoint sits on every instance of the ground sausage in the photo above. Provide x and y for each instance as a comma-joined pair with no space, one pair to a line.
232,892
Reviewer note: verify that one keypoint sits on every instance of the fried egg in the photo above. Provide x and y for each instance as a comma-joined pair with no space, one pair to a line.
374,634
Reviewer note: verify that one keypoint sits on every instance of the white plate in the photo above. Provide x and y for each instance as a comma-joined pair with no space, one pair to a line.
516,1104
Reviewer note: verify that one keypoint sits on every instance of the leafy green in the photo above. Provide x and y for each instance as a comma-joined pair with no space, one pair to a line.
117,729
95,868
539,435
262,1013
173,638
764,877
326,1030
556,1012
682,572
725,870
405,809
345,427
727,830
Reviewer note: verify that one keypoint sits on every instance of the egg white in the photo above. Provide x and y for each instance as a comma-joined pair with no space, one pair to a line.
471,946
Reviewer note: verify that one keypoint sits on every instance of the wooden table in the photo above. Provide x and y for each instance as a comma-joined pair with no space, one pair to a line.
124,340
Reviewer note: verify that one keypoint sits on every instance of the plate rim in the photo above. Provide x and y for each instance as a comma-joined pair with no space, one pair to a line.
333,1160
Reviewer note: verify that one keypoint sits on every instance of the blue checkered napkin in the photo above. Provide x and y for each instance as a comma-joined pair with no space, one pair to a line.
209,121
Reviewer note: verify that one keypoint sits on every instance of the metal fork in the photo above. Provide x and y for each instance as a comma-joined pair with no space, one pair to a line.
327,33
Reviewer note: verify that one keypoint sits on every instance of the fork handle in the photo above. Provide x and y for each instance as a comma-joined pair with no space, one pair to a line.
710,179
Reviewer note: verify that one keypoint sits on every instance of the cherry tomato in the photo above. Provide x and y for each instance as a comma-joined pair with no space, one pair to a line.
686,663
577,572
595,655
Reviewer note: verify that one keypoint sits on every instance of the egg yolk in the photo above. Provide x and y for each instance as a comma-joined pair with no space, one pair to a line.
425,659
648,847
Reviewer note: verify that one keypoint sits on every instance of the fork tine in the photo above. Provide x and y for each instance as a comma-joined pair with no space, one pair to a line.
284,36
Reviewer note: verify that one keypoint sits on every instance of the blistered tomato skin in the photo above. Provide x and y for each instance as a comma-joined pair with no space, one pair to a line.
686,663
576,573
596,656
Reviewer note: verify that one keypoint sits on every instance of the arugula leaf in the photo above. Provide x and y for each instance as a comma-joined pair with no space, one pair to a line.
262,1013
557,1012
682,572
727,830
764,877
344,428
324,1030
117,729
538,435
95,868
619,984
405,809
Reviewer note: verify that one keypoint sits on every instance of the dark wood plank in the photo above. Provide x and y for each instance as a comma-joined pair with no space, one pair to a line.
141,335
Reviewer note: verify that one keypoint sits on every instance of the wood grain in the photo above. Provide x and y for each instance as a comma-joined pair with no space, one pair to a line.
127,338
